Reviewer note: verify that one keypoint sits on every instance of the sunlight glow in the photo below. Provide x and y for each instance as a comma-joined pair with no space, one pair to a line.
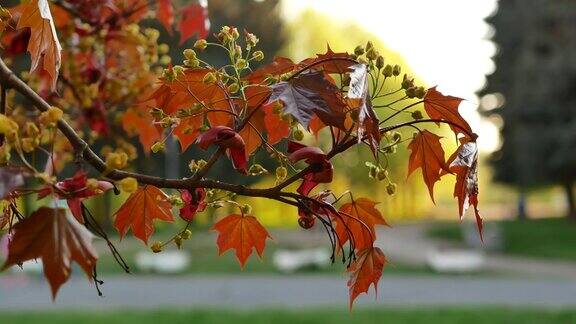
444,41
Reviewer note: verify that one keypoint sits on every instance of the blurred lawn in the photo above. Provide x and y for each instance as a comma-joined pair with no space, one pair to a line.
340,315
553,238
204,257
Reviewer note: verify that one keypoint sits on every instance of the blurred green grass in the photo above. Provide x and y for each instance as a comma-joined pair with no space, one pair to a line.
551,238
341,315
203,253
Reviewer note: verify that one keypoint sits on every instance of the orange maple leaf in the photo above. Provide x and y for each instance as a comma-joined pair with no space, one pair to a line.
427,153
139,211
242,233
43,46
58,239
358,219
138,122
365,271
439,106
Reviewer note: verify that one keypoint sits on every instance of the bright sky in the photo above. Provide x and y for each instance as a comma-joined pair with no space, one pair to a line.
444,41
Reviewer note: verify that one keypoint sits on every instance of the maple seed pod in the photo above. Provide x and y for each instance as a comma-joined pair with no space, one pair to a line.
156,247
298,134
157,147
391,189
396,70
258,56
381,174
417,115
201,44
380,61
281,173
359,50
387,71
189,54
233,87
186,234
306,222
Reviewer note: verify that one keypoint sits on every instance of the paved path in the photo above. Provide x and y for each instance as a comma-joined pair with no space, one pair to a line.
284,291
409,244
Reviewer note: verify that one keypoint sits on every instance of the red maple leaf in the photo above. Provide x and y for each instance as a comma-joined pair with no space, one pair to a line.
365,271
439,106
427,154
357,221
241,233
194,20
140,210
58,239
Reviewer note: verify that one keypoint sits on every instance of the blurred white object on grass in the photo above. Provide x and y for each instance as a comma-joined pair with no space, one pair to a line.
165,262
455,260
289,261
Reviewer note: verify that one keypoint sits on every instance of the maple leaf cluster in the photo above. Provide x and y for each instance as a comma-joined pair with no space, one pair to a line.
115,82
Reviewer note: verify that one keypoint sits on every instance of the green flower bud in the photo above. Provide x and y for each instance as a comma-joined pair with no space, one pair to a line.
396,70
359,50
241,64
209,78
381,174
201,44
258,56
391,189
372,54
380,61
420,92
387,71
281,173
417,115
233,87
298,134
186,234
189,54
157,147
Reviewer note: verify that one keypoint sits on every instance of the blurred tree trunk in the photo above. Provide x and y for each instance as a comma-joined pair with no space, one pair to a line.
521,212
568,189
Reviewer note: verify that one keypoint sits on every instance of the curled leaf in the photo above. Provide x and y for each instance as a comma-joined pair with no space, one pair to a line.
226,138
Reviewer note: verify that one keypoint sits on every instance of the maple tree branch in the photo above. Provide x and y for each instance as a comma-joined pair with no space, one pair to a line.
9,79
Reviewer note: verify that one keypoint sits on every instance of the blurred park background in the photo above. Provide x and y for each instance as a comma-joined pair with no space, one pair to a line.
513,63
